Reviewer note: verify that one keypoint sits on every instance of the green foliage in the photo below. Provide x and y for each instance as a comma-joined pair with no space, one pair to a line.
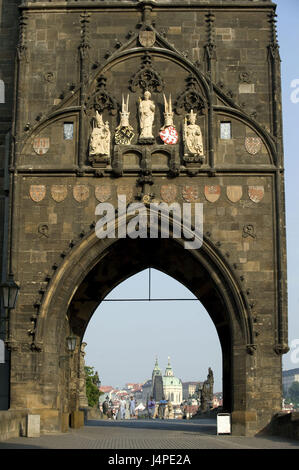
92,386
293,393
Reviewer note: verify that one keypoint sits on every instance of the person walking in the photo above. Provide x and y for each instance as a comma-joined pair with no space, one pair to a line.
132,407
151,405
162,406
122,406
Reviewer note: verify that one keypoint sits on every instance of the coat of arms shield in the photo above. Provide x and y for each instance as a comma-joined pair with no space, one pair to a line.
59,192
253,145
212,192
256,193
41,145
147,38
168,192
169,135
190,193
37,192
125,190
81,192
234,193
103,193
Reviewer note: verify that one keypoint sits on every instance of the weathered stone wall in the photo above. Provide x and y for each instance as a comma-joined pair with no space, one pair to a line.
75,52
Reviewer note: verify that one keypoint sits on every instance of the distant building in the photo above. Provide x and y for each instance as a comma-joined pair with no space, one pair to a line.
172,386
146,391
189,389
288,377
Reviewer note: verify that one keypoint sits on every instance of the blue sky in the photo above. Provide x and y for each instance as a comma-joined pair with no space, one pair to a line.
123,339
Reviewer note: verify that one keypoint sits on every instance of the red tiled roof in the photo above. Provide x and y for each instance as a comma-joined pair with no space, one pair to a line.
106,388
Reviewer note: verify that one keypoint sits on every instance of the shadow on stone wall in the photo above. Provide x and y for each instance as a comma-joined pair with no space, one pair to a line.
284,425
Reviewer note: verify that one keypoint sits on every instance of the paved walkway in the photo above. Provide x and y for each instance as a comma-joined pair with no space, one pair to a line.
145,434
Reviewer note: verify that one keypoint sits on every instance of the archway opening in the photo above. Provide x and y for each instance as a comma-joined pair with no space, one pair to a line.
148,316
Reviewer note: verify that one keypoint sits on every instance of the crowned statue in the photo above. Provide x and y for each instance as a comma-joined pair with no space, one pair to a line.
99,145
146,115
193,138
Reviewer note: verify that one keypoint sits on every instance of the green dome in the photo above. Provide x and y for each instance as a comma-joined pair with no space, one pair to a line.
169,381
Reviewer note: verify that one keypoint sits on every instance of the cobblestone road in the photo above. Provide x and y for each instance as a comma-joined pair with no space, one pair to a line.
145,434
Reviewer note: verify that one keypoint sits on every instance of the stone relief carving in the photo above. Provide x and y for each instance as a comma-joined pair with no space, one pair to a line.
147,78
192,139
190,99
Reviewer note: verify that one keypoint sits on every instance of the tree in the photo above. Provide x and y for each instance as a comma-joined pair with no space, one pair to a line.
92,386
293,393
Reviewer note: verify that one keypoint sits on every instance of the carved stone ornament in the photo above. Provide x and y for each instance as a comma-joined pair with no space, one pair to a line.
248,231
190,193
147,78
99,144
168,192
124,132
125,190
146,116
253,145
234,193
168,133
59,192
190,99
41,145
212,192
43,230
37,192
81,192
193,142
147,38
102,100
103,192
256,193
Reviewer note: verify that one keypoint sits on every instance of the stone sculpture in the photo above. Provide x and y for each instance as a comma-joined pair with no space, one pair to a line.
99,145
146,115
193,138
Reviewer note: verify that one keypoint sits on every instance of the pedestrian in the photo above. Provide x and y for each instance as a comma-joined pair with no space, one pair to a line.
132,407
162,406
106,406
122,406
151,405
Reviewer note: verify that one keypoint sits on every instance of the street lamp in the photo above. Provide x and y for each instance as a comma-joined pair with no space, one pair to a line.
9,292
71,343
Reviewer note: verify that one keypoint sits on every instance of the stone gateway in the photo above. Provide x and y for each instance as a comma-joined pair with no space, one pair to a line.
95,82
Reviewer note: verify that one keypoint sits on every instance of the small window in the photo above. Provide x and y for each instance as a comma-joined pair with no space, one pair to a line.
2,92
2,352
225,130
68,130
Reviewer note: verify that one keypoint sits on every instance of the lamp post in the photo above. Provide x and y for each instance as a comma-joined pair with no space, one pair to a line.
71,342
9,291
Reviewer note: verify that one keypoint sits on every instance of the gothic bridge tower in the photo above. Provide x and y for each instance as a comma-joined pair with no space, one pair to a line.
160,101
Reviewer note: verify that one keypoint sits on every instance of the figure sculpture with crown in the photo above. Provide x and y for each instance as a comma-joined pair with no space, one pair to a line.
168,132
99,145
192,139
124,132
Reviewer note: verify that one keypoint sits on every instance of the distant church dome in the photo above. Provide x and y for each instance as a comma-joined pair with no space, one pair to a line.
173,387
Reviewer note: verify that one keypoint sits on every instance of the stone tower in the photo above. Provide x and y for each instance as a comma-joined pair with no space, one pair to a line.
165,101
